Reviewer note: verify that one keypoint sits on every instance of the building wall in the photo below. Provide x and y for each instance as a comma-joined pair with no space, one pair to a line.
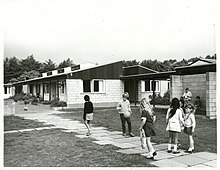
75,95
176,87
203,85
211,95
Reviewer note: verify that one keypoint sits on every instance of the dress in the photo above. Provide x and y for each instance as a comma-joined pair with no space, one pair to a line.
148,126
175,123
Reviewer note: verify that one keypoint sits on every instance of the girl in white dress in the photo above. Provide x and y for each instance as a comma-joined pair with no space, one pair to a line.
175,122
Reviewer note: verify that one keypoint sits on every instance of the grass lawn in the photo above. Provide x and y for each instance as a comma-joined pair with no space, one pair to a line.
16,123
55,148
205,133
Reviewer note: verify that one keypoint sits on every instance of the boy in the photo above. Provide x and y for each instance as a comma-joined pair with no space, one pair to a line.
125,112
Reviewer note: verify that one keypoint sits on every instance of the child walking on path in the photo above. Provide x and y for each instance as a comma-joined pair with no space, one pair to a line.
147,124
88,113
174,122
124,110
190,124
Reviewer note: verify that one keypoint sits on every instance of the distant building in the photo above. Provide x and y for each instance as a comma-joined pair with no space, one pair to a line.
106,83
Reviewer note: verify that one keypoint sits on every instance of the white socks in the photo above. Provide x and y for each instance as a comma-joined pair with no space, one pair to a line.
169,147
175,148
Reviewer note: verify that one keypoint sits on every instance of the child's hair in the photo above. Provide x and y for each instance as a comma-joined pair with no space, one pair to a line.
190,106
125,95
175,104
86,98
197,97
145,105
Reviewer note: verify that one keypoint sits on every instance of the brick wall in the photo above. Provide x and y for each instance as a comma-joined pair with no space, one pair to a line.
203,85
176,87
197,85
75,95
211,95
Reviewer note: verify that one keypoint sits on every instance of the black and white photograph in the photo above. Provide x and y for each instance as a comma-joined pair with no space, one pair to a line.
105,83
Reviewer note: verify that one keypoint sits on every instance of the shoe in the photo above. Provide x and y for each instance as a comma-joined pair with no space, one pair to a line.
131,134
189,151
155,153
176,152
169,151
88,134
124,134
150,157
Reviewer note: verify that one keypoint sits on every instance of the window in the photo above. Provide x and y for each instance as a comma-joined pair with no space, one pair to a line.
96,86
46,88
147,85
150,85
5,90
86,86
93,86
62,86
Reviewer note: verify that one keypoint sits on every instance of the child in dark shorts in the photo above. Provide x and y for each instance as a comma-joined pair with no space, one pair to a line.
147,124
190,124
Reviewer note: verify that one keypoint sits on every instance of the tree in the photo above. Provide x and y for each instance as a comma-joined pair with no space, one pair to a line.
48,66
129,63
12,68
66,63
30,64
211,57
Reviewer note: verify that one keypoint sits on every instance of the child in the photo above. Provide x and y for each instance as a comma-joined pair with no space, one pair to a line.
25,98
88,113
147,124
124,110
187,95
190,124
174,122
197,104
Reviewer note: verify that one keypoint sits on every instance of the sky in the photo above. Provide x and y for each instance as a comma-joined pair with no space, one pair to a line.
104,31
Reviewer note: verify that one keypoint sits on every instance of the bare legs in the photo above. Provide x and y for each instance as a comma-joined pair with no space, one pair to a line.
173,136
191,143
87,123
150,147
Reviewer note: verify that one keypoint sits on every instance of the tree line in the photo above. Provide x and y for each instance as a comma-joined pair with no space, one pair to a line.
23,69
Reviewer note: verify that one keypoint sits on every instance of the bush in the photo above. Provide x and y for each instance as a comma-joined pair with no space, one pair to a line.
34,101
57,103
165,100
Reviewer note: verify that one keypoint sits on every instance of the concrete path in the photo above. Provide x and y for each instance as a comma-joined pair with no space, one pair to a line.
126,145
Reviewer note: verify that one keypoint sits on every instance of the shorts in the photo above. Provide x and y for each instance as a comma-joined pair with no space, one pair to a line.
89,116
188,130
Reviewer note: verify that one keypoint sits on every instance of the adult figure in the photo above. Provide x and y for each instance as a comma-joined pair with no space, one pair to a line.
187,95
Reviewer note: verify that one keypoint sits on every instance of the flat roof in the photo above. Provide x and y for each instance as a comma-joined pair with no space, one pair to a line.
159,75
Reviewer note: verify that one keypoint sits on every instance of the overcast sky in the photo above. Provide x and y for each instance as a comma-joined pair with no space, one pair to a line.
108,30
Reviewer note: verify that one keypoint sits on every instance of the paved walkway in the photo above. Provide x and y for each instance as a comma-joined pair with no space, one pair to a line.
126,145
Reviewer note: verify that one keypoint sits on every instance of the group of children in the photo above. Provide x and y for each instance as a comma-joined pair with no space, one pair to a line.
179,117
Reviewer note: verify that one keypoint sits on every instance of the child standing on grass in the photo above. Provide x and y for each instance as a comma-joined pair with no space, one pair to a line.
147,124
174,122
124,110
190,124
88,113
26,101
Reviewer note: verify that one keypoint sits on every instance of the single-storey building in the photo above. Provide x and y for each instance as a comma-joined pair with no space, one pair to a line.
106,83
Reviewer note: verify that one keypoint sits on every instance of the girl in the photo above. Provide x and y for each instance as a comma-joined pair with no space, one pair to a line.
88,113
147,124
190,124
174,122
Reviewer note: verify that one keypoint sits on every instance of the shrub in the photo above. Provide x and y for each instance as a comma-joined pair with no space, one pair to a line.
165,100
34,101
57,103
